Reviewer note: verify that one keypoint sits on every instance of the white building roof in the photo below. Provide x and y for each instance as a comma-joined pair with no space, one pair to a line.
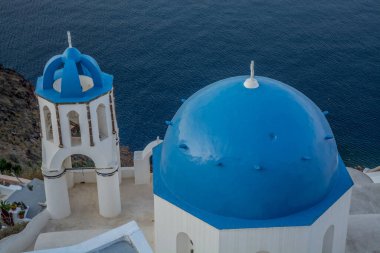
127,238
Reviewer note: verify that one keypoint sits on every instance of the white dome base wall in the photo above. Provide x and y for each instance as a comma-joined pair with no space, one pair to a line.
109,195
57,197
307,239
171,221
335,217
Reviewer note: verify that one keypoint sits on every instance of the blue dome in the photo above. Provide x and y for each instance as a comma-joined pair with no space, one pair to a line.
249,154
72,77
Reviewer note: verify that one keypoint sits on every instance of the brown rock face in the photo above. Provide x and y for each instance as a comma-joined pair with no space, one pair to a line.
20,123
19,120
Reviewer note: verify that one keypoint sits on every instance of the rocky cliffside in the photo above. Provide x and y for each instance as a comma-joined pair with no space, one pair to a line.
19,120
20,124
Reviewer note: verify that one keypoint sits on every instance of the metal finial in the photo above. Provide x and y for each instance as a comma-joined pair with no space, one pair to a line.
69,38
252,69
251,82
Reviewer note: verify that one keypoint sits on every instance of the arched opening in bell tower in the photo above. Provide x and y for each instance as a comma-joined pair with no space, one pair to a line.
87,182
48,124
75,131
102,121
82,184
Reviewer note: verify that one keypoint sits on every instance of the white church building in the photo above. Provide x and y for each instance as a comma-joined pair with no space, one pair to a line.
248,164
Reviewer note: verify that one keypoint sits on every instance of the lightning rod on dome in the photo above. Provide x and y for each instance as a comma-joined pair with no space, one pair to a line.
252,69
251,82
69,39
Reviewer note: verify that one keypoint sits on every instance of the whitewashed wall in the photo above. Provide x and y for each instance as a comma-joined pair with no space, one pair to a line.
57,197
141,161
280,240
19,242
375,176
170,220
48,147
292,239
336,215
104,153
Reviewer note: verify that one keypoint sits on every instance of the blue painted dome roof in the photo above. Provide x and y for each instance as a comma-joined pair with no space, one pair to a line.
72,77
239,157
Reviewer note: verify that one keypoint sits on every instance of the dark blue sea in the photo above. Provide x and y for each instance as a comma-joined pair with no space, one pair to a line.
160,51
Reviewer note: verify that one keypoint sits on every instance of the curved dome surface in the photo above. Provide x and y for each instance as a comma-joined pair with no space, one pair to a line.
251,154
72,77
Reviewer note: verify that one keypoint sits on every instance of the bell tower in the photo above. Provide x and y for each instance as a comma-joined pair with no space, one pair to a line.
78,117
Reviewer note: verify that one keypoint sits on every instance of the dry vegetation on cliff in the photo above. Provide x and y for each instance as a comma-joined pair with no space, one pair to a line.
19,121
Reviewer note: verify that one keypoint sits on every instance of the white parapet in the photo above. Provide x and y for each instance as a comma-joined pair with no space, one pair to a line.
142,168
374,174
130,233
23,240
127,172
141,160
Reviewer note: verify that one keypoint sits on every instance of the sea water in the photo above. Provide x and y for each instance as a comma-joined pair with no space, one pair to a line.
161,51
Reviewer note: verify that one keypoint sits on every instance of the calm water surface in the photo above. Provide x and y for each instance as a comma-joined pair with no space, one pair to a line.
161,51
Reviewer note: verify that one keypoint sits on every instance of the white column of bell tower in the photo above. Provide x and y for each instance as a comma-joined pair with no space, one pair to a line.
108,193
107,179
57,195
55,182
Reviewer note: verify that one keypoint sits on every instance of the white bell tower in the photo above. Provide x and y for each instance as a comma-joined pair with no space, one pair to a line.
78,117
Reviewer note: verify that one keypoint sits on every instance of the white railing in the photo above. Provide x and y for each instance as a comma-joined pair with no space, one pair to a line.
20,242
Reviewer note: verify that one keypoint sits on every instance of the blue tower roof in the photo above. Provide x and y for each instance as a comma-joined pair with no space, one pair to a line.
238,157
72,77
